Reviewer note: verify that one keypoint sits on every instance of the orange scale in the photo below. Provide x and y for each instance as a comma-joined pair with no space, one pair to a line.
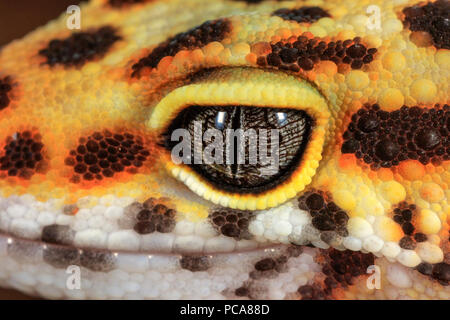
275,39
411,170
308,34
261,48
326,67
385,174
164,64
251,58
311,75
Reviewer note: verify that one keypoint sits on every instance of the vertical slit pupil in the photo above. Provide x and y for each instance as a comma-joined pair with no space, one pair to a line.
293,128
235,126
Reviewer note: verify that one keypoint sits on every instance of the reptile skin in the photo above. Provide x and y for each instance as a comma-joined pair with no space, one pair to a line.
87,181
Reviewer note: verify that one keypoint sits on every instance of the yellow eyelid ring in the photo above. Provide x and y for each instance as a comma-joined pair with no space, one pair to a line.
255,88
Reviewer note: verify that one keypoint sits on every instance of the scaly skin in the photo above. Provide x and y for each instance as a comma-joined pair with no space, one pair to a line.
60,104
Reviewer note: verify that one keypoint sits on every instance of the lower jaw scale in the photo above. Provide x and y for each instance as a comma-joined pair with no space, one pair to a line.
280,272
192,261
51,271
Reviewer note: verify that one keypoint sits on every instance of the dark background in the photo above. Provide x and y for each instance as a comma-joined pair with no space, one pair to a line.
17,18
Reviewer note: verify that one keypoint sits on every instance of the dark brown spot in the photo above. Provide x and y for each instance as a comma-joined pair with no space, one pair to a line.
305,63
420,237
195,263
241,292
310,292
267,268
230,230
384,139
80,47
425,268
433,18
326,215
23,155
341,268
294,251
350,146
368,123
305,52
407,214
102,155
356,51
386,149
427,138
100,261
197,37
403,214
57,234
302,14
408,228
265,264
438,271
231,223
323,222
441,272
154,216
144,227
61,257
407,243
315,201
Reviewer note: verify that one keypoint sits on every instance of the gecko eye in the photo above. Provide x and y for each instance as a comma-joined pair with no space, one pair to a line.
240,149
242,138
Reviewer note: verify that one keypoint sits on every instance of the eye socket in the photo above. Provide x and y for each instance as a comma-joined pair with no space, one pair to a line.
241,149
225,97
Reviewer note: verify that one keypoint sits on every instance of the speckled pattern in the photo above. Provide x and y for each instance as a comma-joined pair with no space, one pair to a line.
87,181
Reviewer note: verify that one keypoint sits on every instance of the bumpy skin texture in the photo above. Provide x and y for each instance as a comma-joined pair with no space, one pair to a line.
85,181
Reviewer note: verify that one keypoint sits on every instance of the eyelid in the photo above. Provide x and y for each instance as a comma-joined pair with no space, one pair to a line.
262,89
247,87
